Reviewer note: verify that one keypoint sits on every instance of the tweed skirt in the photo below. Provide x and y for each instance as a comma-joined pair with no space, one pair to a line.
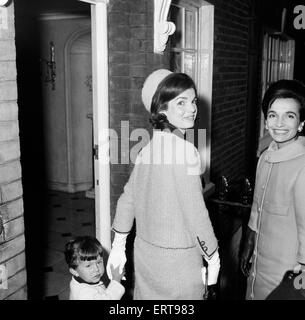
167,274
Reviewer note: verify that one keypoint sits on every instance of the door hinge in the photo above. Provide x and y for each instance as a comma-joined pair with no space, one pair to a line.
95,152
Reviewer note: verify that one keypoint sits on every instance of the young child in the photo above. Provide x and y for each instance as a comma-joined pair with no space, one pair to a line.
84,256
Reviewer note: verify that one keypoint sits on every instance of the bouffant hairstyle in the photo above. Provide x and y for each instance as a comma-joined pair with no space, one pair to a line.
169,88
293,89
82,248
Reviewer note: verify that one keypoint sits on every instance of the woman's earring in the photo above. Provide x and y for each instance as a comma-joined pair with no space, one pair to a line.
301,126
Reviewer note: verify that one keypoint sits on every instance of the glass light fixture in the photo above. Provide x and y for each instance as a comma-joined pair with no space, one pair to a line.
51,66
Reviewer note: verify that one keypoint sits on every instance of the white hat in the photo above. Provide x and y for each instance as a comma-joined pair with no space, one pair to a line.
150,86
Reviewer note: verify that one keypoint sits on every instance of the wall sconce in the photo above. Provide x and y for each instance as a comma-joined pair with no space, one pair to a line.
51,66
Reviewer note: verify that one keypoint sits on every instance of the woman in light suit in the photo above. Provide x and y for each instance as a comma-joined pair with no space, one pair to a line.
164,196
275,239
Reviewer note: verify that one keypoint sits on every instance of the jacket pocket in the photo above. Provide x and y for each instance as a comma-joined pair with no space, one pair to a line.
276,209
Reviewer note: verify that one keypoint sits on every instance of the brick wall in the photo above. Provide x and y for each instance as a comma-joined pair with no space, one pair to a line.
12,243
131,59
230,89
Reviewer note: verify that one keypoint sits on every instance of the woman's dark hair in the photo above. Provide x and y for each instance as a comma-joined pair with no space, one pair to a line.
82,248
293,89
169,88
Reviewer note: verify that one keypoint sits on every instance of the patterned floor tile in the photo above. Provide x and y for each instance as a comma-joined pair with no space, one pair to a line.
56,241
62,267
52,257
66,215
64,295
55,283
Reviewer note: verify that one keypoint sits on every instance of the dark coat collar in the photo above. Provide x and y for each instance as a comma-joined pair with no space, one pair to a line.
80,280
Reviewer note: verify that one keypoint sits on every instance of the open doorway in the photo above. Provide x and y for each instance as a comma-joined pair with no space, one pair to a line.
55,116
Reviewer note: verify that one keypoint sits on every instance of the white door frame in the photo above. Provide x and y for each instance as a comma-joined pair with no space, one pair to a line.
101,120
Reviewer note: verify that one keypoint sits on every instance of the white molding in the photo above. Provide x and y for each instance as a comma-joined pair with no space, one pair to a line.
68,187
61,16
100,96
99,32
205,78
162,28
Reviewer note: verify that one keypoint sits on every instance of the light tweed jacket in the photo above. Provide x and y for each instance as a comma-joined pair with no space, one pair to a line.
164,195
277,217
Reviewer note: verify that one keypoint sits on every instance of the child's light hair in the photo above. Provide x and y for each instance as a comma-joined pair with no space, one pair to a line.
82,248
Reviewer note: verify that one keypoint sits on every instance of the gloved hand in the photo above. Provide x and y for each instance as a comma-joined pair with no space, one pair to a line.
247,252
209,276
299,267
213,268
204,275
117,256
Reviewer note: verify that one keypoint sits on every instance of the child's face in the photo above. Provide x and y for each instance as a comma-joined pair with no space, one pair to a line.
90,271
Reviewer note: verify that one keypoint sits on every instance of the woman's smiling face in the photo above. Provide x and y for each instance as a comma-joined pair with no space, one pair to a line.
283,121
182,110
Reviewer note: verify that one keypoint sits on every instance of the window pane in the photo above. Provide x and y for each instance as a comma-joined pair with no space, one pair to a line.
190,29
175,61
176,18
189,64
184,42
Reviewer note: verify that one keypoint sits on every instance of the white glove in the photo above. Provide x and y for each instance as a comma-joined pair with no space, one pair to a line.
299,267
117,256
203,274
213,268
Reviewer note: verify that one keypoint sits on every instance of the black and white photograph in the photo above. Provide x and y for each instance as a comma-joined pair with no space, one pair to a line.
152,150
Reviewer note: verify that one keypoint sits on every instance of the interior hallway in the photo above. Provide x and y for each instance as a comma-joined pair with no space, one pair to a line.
67,215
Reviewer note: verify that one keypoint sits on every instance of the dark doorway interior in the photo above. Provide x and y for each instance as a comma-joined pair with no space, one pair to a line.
31,127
